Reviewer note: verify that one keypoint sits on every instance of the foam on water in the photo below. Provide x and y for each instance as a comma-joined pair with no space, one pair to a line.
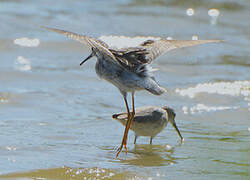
200,108
235,88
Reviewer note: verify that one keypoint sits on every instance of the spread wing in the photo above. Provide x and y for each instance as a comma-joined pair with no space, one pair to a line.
131,58
156,48
90,41
136,58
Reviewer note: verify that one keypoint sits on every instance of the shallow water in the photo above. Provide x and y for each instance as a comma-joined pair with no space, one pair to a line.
55,116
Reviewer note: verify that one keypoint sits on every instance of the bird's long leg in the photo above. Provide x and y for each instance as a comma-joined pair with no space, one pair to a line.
135,139
128,116
128,124
151,139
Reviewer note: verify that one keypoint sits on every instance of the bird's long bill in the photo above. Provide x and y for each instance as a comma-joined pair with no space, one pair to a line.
177,130
90,56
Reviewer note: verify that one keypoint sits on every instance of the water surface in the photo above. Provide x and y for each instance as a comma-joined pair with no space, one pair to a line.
55,116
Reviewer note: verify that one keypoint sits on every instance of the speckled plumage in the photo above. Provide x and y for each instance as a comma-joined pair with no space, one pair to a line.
149,120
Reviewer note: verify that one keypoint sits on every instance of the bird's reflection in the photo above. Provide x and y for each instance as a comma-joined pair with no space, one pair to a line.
151,155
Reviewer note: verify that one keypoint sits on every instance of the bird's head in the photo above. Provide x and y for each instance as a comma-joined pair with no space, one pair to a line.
171,118
93,53
170,114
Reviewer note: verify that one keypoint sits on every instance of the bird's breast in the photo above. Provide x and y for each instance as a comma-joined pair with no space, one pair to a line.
107,70
117,75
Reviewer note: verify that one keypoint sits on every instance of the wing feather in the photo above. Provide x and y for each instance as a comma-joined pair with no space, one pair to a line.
90,41
156,48
133,58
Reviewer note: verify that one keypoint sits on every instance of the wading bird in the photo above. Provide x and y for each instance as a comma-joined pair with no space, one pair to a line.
129,68
149,121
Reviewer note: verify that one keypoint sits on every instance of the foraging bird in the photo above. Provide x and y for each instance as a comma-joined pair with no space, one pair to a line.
149,121
129,68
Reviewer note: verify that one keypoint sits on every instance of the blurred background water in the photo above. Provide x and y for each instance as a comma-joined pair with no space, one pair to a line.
55,116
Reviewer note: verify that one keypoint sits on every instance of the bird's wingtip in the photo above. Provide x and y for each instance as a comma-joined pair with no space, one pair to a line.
53,29
44,27
211,40
219,40
49,28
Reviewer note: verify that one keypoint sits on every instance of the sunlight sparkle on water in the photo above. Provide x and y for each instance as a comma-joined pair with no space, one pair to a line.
195,37
11,159
190,11
11,148
214,14
3,99
168,147
22,64
185,109
26,42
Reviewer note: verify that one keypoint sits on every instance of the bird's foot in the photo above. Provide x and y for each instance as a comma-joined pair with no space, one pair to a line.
120,149
126,149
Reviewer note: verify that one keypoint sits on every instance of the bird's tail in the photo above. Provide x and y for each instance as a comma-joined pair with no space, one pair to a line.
154,88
